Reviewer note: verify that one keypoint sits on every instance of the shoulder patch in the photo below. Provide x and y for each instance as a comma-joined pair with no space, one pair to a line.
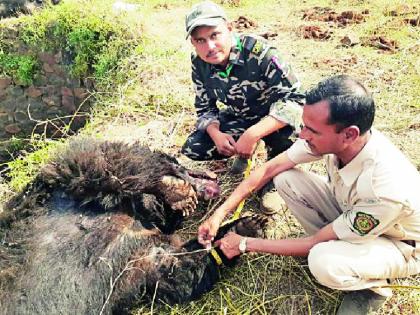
279,64
364,223
258,48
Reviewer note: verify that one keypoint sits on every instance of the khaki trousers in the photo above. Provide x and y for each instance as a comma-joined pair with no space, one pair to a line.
340,264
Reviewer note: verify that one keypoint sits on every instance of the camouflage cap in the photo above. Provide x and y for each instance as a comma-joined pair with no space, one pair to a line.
205,13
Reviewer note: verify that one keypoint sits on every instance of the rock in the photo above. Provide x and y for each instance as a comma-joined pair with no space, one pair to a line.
9,105
33,92
14,91
21,102
40,79
3,94
21,117
47,68
65,91
10,8
67,103
47,58
81,93
350,40
51,100
5,82
4,118
12,128
57,80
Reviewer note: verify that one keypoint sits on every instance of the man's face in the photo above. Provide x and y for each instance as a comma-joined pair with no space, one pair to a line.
321,137
213,43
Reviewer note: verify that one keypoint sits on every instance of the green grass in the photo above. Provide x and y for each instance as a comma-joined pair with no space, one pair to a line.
152,82
23,169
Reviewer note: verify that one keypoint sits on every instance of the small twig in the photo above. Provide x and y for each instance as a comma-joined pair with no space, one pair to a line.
154,297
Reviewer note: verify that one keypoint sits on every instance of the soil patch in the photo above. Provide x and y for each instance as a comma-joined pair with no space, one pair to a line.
268,35
340,64
326,14
381,42
314,32
242,22
413,21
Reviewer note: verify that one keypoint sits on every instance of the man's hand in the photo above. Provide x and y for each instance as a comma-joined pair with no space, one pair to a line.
208,230
225,144
229,245
248,141
245,145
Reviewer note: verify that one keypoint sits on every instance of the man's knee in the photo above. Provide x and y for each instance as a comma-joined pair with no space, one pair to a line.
285,181
327,267
193,151
198,146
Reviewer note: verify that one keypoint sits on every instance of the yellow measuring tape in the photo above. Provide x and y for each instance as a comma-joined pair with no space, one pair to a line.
216,256
240,207
236,214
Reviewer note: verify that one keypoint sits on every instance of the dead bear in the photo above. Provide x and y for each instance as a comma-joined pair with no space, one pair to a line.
93,234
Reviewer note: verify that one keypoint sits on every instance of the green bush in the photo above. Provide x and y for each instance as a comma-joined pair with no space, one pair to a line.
20,68
94,40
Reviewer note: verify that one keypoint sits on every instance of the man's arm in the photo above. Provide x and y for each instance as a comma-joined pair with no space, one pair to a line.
281,95
292,247
245,145
255,181
285,247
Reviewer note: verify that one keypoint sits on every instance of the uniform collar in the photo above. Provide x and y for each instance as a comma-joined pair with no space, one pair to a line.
236,56
363,159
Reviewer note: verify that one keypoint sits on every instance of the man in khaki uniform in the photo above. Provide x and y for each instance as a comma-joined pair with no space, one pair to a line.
363,221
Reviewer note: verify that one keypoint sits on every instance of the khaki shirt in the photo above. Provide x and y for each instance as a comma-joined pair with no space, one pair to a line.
378,192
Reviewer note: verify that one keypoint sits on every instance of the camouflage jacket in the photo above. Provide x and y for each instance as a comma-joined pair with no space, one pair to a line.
259,83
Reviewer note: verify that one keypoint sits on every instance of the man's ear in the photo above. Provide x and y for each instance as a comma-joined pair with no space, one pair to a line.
350,134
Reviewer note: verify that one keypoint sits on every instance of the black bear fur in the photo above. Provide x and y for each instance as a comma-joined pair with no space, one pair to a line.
93,234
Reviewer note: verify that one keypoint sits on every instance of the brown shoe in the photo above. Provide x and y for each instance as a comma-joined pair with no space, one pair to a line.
361,303
270,200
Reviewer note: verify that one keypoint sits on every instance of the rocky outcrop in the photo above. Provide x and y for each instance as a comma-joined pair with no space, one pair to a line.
12,7
54,104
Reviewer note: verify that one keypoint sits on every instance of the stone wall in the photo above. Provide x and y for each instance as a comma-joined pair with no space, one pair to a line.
53,103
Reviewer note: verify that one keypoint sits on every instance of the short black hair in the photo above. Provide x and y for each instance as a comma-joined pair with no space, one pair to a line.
349,101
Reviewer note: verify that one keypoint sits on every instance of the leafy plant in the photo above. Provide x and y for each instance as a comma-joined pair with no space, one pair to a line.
94,40
21,68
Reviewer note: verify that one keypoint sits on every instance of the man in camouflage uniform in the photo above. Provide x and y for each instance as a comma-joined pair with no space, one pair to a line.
250,77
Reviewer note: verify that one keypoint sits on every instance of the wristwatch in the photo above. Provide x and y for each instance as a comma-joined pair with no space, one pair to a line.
242,245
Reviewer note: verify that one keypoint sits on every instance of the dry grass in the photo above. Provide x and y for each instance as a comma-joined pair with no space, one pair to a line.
266,284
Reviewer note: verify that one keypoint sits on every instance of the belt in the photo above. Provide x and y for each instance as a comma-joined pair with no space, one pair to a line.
410,242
